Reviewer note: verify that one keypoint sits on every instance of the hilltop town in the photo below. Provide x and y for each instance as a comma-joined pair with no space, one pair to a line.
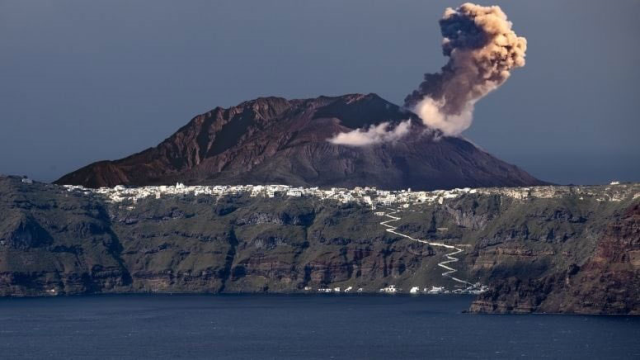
284,239
378,200
369,196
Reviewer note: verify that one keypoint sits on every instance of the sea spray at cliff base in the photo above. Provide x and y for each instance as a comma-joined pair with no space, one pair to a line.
482,50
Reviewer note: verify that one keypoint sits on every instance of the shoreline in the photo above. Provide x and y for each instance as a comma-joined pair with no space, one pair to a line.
253,296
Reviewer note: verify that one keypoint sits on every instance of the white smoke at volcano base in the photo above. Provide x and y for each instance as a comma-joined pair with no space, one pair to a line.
375,134
482,50
430,111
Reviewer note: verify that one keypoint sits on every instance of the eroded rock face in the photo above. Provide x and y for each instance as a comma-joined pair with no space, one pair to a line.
607,283
276,141
560,253
188,244
24,232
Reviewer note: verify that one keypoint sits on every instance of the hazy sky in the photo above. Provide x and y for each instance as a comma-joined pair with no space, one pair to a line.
84,81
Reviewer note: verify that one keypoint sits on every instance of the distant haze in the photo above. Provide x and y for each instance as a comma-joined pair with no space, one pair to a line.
85,81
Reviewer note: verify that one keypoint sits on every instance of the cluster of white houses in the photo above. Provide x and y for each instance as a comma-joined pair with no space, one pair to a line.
416,290
370,196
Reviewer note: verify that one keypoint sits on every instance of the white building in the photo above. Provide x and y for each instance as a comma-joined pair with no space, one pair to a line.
391,289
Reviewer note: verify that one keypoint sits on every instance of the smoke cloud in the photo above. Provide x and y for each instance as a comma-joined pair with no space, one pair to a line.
374,135
482,51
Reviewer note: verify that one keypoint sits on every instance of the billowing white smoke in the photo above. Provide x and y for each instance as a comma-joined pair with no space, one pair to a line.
374,135
430,111
482,51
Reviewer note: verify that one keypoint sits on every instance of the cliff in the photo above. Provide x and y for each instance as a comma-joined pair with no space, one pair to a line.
608,282
540,249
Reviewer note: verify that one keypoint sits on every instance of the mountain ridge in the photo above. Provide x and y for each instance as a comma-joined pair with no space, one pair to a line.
275,140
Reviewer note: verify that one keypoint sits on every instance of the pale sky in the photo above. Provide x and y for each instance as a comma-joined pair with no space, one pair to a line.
85,81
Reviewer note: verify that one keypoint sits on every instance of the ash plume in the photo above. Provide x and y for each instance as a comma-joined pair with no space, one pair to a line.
482,51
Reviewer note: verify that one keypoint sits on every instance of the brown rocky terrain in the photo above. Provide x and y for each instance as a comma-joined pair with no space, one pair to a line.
557,249
273,140
607,283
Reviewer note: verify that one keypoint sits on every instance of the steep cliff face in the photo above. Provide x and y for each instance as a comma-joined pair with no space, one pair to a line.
203,245
554,250
52,242
273,140
607,283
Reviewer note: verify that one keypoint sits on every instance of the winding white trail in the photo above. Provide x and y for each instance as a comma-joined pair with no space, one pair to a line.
450,256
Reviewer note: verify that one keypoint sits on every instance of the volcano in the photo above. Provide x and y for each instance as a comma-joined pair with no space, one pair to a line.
272,140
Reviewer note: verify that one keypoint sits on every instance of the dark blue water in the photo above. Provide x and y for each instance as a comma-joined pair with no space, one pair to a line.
299,327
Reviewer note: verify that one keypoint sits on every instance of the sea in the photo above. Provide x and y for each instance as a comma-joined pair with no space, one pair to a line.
299,327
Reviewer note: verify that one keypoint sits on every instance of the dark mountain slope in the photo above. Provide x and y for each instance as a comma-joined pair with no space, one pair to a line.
273,140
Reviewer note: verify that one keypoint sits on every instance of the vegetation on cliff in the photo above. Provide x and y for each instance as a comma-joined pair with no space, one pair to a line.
564,253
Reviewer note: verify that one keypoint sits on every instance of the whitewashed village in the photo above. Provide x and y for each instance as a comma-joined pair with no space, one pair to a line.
378,200
370,196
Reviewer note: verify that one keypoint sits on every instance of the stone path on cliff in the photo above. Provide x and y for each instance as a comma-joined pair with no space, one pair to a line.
444,264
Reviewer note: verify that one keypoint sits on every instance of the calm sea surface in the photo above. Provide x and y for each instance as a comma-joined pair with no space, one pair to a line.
299,327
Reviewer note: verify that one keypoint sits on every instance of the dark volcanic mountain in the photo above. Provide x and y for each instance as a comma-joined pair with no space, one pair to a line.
274,140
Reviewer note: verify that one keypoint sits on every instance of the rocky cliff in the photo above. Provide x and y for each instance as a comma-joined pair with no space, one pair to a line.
544,249
276,141
608,282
